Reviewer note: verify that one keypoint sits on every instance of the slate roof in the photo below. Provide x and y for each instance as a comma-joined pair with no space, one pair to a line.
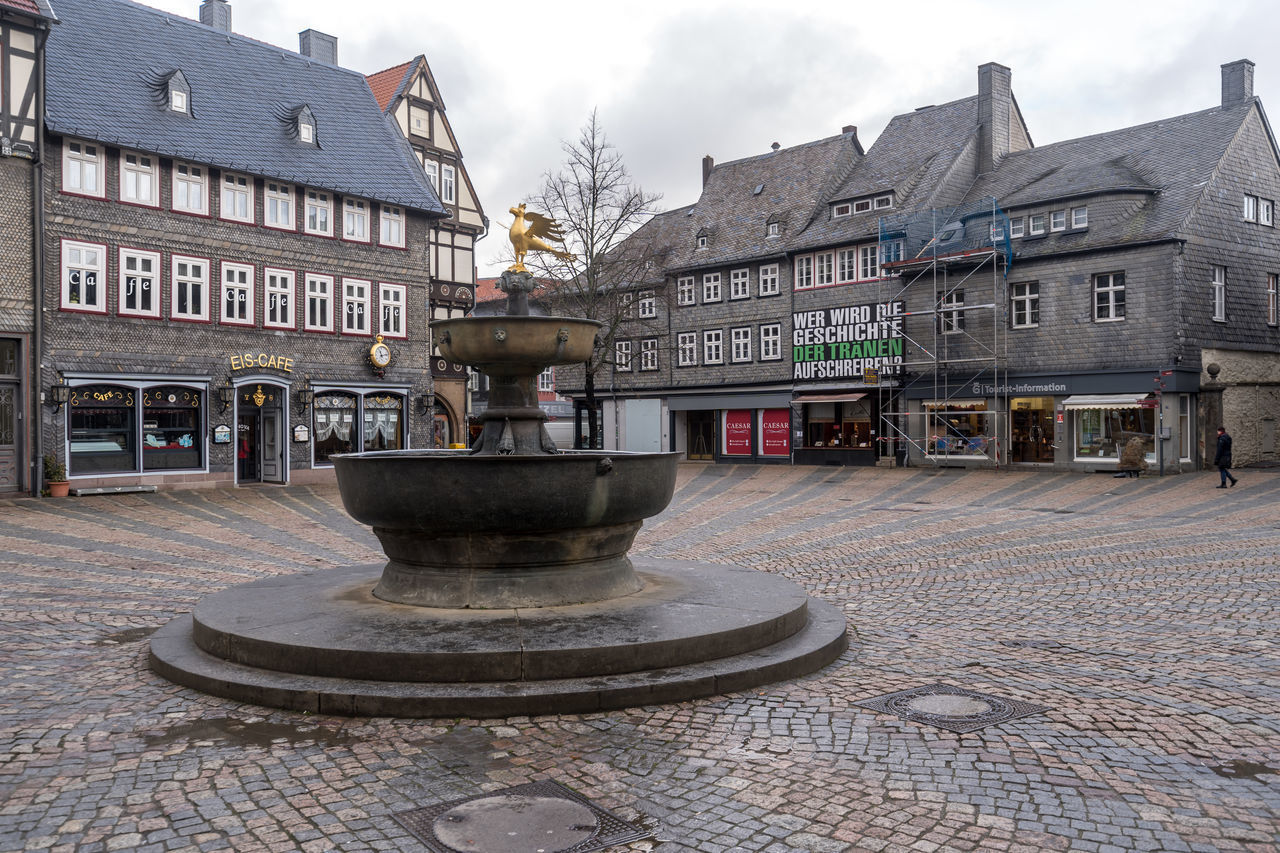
240,89
910,157
791,181
38,8
388,83
1168,161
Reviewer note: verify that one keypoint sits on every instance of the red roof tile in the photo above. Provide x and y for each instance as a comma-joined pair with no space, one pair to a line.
487,290
384,83
23,5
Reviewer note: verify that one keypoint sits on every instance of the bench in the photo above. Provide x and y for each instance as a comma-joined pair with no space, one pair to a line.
112,490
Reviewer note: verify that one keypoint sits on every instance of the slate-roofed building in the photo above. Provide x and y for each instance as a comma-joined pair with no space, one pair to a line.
409,95
236,255
956,295
24,26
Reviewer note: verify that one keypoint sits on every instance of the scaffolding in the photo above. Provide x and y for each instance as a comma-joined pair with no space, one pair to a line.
945,271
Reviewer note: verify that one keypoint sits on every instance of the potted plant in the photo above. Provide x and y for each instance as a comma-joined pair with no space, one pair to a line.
55,477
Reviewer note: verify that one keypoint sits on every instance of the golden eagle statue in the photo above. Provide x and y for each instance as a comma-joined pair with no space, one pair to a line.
526,231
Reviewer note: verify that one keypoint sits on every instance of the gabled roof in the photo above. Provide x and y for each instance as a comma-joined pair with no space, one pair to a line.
239,90
1168,161
742,196
36,8
911,157
389,83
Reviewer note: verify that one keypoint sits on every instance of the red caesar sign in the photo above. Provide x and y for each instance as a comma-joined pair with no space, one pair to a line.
775,432
737,432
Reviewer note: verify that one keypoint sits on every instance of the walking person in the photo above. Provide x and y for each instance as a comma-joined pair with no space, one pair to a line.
1223,457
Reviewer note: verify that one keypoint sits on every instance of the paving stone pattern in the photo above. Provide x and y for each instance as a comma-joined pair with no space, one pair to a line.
1142,613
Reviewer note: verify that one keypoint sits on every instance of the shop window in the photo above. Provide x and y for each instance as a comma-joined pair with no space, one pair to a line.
335,425
101,430
172,431
958,428
843,424
382,422
1102,433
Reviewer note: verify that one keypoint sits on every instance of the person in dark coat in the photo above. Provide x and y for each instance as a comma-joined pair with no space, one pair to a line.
1223,457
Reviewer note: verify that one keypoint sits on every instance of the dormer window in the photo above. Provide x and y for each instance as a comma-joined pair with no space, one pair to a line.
841,210
172,91
307,133
300,123
177,101
701,242
884,201
773,229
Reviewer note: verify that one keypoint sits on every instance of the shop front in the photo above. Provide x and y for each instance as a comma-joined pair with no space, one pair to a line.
837,428
129,426
752,427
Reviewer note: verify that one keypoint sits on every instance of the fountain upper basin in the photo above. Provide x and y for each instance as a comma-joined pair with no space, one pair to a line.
527,343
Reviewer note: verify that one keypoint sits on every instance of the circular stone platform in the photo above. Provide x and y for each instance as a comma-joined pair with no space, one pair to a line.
321,642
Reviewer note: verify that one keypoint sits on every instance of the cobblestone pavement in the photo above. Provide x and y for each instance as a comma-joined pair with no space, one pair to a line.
1143,613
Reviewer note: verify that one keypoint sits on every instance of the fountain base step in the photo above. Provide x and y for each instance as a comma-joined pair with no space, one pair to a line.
320,642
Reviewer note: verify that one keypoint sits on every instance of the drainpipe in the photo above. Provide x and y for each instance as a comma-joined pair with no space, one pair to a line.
36,480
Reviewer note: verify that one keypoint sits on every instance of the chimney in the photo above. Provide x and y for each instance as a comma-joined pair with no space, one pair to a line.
318,46
995,114
850,128
1237,82
216,14
708,163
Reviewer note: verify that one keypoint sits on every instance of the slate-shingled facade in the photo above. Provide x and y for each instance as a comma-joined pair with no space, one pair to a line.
1017,304
231,231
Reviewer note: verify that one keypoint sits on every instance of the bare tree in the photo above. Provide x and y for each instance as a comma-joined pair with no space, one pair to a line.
598,205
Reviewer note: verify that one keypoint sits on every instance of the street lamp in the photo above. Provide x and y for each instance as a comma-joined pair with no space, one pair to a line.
226,395
60,393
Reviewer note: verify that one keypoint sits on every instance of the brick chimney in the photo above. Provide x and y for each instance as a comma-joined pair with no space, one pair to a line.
708,163
1237,82
995,114
216,14
318,46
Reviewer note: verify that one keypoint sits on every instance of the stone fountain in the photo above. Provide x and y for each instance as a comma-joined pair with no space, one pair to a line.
508,589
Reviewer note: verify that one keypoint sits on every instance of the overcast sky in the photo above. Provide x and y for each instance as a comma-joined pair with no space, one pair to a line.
673,80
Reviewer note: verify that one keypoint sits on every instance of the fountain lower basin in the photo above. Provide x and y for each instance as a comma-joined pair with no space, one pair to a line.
555,533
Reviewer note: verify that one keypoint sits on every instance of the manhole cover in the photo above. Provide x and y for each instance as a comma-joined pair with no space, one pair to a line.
952,708
541,817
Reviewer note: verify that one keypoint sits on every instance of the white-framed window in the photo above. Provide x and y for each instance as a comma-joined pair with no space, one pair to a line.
391,226
740,344
1250,208
139,294
355,220
355,306
701,242
189,284
139,178
277,311
84,276
1058,220
432,168
1024,297
237,294
1219,293
547,380
951,315
869,262
647,305
685,291
768,280
847,265
237,197
649,354
1079,217
627,305
177,100
278,205
711,290
1108,297
841,210
862,205
1266,211
771,342
319,315
1015,227
306,132
804,272
739,284
83,165
318,213
890,251
190,188
1035,224
713,347
448,184
1273,299
391,310
884,201
773,229
622,355
824,272
687,349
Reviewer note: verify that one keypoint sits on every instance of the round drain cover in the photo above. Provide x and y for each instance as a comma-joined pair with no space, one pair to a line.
948,705
512,823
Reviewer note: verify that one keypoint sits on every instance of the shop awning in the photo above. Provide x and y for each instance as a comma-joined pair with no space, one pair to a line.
1104,401
827,398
